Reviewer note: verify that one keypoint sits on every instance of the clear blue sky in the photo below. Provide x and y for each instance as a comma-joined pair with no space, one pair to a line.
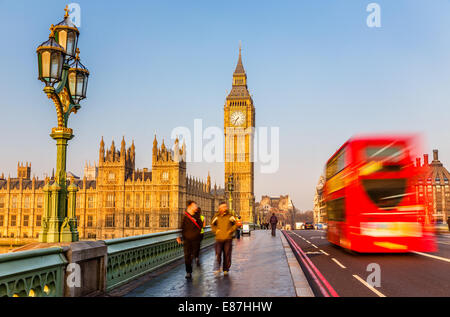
314,68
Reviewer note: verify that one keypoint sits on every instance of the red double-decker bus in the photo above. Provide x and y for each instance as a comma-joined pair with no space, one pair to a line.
370,196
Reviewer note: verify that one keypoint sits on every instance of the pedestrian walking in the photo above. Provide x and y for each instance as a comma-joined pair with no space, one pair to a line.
273,222
223,225
238,227
202,233
191,227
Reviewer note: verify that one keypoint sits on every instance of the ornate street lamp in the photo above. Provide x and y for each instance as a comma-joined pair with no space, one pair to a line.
66,33
78,79
59,63
50,60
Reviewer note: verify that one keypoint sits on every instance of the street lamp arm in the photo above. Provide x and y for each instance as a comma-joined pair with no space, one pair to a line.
51,94
62,100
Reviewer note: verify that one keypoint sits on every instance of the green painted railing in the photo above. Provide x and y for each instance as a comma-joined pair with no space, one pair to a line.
35,273
131,257
40,272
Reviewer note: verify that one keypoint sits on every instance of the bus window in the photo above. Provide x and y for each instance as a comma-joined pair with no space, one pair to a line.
336,165
336,209
394,153
385,193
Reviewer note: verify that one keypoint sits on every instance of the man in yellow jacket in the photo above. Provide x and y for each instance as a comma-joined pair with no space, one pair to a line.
223,225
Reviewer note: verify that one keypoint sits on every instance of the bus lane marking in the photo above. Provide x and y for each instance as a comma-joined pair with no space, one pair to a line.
323,252
338,263
432,256
369,286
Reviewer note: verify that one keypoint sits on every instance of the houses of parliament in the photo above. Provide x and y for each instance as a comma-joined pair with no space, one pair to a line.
115,199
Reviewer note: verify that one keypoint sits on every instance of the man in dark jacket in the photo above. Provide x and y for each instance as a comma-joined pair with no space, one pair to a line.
223,225
191,234
273,222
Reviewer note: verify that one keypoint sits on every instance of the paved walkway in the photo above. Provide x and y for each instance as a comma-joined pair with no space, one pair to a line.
259,269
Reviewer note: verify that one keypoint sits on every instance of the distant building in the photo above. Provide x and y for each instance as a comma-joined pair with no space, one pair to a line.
281,206
121,201
320,214
433,187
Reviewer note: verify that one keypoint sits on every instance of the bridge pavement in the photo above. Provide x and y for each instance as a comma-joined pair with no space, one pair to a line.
259,269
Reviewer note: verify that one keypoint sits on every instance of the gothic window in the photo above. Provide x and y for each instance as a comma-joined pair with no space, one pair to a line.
78,202
147,220
2,202
138,201
14,202
26,219
1,220
26,202
13,221
110,221
38,220
165,176
90,220
164,200
147,201
127,221
110,200
164,220
111,176
91,202
39,202
128,200
136,223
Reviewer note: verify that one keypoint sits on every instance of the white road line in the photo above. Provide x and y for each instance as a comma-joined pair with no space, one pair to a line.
432,256
323,252
369,286
444,243
308,241
338,263
315,246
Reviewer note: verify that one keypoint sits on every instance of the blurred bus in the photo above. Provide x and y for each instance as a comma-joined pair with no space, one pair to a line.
370,196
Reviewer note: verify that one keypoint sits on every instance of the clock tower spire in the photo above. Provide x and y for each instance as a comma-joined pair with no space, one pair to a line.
239,123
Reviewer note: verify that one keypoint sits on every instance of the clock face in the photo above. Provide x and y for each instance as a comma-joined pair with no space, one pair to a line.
237,118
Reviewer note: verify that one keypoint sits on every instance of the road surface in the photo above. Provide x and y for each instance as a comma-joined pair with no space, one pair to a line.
410,274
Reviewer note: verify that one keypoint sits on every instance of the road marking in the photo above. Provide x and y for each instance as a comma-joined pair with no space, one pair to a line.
312,252
308,241
338,263
432,256
323,252
444,243
369,286
314,245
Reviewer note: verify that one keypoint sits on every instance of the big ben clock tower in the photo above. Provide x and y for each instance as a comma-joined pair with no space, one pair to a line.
239,123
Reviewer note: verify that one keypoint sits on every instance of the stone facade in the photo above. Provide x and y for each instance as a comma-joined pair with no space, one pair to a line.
122,200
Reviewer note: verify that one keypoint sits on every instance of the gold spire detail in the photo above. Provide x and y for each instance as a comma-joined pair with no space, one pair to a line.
66,15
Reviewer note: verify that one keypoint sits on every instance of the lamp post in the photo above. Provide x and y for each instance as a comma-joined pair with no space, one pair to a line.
230,188
59,64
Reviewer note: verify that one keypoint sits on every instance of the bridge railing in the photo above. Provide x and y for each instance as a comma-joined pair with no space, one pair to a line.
103,265
35,273
131,257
